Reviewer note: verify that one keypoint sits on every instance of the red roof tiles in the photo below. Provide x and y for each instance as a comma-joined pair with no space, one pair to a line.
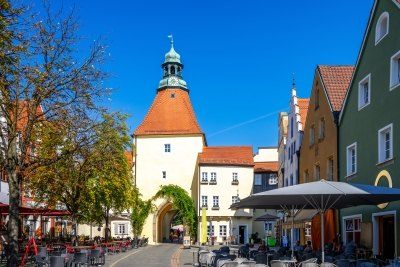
170,113
227,155
270,166
336,80
303,104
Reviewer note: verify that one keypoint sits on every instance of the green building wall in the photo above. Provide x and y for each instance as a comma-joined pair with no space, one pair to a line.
363,126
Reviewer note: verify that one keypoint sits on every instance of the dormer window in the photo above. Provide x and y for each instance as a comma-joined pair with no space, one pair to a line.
382,27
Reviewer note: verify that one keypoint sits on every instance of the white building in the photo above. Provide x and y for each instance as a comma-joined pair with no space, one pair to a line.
282,135
225,176
296,121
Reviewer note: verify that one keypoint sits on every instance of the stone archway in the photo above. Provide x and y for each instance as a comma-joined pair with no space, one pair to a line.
162,221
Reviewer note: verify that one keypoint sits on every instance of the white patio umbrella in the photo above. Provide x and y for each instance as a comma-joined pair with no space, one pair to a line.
321,196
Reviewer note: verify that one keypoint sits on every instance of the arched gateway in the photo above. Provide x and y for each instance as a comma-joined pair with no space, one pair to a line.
162,221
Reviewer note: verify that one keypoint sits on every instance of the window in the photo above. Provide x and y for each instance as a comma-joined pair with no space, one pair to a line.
257,179
212,230
234,177
353,229
215,201
395,70
291,180
306,176
213,178
291,127
268,226
317,172
382,27
321,134
204,177
164,175
121,229
273,179
385,143
167,148
330,169
222,230
204,201
235,199
364,92
351,159
311,137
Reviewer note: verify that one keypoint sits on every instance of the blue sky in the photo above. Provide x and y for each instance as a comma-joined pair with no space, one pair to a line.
239,56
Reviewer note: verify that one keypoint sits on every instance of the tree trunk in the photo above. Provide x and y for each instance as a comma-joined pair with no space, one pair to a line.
13,222
107,218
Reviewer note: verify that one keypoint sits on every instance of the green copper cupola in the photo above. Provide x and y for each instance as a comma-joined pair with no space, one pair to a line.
172,70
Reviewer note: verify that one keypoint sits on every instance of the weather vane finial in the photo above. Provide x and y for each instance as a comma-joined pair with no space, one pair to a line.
171,39
293,80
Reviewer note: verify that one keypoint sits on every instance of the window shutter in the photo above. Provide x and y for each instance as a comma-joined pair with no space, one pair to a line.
115,229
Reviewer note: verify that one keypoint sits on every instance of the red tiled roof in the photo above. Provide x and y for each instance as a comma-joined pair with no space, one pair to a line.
270,166
170,113
303,109
227,155
336,80
129,157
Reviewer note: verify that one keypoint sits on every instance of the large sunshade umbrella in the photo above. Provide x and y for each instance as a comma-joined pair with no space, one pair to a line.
321,196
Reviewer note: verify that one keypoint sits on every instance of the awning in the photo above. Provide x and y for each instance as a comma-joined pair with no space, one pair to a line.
4,210
266,218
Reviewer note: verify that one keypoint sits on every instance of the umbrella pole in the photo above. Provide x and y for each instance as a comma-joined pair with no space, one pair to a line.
322,237
291,234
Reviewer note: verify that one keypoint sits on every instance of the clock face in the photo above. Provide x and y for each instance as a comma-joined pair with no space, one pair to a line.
173,81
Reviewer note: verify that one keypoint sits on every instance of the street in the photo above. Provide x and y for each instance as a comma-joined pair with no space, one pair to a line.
164,255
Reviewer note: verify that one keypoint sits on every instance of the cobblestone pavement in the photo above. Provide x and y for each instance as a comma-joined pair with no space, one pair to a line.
165,255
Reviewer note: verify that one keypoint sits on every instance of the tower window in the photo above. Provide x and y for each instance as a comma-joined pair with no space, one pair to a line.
167,148
382,27
164,175
172,70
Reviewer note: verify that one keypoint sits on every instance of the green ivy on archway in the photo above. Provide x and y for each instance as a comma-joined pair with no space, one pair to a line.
183,203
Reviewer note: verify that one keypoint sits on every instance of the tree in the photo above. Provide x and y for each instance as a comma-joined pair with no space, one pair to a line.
111,185
43,78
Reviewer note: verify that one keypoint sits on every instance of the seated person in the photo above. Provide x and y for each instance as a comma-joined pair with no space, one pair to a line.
298,247
263,247
350,248
308,248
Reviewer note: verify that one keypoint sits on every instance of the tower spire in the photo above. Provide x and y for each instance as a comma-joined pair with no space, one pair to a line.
172,69
293,84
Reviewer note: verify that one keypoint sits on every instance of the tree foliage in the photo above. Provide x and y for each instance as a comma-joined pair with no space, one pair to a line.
183,203
139,213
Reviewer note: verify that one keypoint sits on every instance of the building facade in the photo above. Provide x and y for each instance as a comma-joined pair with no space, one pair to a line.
265,178
282,135
369,125
296,120
318,152
225,176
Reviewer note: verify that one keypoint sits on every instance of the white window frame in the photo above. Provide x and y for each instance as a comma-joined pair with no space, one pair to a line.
330,169
394,70
235,199
212,230
204,176
213,177
215,201
360,91
257,177
164,174
204,201
121,227
348,160
378,34
222,230
351,217
381,145
167,148
235,177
